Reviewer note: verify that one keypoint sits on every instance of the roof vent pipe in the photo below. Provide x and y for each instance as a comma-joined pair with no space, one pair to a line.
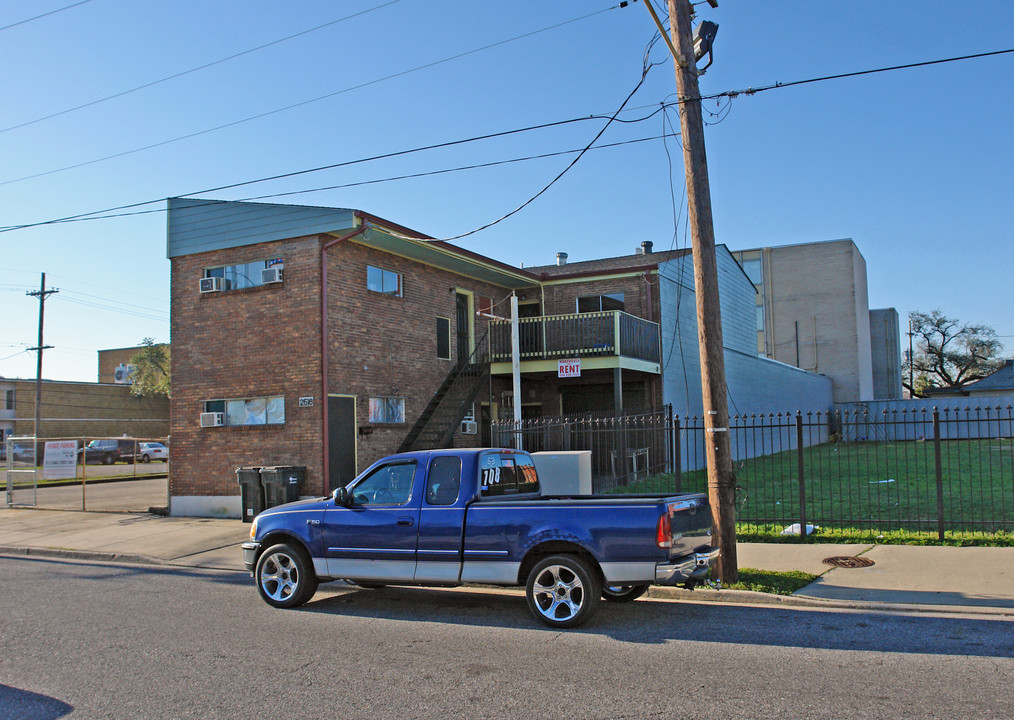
646,246
561,258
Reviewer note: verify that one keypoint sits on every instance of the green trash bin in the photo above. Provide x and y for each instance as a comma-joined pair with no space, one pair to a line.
282,484
251,491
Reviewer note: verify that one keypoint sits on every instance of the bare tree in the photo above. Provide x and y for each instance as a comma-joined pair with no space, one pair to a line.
948,353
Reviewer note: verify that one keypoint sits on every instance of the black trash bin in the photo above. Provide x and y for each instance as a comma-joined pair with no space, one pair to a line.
251,491
282,484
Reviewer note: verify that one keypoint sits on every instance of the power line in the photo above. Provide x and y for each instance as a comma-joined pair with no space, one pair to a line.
45,14
191,70
383,156
729,94
778,85
306,102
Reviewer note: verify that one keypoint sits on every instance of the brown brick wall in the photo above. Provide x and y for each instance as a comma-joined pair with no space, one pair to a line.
562,299
258,342
384,346
265,341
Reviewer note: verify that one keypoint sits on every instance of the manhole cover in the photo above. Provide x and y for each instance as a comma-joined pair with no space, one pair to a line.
848,561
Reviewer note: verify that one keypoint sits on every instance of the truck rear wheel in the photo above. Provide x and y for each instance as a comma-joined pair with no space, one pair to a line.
623,593
562,591
284,576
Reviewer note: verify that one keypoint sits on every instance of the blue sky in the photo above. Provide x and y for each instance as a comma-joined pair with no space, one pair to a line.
914,165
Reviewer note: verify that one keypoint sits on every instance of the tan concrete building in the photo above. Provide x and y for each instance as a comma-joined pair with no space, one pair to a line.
813,313
80,410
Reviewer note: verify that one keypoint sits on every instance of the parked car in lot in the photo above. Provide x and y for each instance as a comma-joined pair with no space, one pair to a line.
450,517
109,451
148,451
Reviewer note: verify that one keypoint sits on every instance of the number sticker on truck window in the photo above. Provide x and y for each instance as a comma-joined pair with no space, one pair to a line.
490,476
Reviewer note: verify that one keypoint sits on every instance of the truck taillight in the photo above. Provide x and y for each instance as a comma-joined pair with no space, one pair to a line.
664,535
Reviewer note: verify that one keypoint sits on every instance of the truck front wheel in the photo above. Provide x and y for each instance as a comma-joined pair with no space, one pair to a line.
284,576
563,591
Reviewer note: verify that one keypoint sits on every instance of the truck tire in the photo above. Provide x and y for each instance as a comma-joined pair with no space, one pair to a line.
562,591
623,593
107,459
284,576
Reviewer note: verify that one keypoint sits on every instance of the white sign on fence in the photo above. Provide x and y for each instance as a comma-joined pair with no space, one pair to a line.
60,460
569,368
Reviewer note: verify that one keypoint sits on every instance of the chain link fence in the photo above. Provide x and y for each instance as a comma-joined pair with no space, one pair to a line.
99,474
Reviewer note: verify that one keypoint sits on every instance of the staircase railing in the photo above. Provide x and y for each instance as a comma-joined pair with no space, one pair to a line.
441,417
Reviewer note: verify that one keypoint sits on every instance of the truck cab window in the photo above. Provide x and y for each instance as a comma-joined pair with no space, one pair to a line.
507,474
444,481
387,485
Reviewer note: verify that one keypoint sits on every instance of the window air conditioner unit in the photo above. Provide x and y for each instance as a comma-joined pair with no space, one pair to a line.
212,419
211,284
469,427
271,275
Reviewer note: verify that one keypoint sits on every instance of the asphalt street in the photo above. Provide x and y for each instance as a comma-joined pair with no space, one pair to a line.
100,640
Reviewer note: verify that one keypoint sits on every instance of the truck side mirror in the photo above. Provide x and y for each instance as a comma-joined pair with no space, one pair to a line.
341,497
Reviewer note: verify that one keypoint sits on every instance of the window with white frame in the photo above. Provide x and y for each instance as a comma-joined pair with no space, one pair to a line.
250,411
246,275
385,282
387,409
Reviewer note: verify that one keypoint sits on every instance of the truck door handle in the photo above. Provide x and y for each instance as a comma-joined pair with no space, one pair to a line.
407,521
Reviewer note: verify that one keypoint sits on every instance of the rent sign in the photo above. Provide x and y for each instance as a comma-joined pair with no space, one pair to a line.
569,368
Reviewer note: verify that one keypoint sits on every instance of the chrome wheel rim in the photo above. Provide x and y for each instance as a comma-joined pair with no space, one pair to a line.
559,593
279,576
617,589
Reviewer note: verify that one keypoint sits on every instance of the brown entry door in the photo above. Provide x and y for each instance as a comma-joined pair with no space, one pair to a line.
341,440
461,316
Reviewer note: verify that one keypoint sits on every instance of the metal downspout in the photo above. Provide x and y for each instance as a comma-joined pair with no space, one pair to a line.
323,342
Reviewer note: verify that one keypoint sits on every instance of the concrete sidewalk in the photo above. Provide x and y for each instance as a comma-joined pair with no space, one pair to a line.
976,580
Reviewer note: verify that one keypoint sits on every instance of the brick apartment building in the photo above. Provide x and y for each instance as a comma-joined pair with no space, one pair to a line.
316,337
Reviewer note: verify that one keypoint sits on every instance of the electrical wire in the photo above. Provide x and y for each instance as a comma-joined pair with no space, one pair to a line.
780,85
332,166
646,67
302,103
191,70
729,94
45,14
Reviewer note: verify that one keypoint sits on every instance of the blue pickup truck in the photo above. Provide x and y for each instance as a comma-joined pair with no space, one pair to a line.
450,517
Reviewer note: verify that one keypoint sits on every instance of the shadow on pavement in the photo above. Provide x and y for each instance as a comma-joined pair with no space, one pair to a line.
108,567
903,597
649,621
26,705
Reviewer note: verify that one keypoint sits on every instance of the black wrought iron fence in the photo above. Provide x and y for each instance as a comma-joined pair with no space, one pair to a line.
624,450
934,471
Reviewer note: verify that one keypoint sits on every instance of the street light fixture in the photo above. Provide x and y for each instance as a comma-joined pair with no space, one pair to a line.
704,39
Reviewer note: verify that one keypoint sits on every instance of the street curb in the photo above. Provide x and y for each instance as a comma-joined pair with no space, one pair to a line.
82,555
760,598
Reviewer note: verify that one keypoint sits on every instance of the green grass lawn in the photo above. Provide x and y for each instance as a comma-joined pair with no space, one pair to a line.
871,489
769,581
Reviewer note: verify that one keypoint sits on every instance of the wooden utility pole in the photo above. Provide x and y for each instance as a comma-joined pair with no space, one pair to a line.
42,294
721,487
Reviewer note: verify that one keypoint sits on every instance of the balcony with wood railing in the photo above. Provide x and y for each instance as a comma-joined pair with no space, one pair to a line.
600,339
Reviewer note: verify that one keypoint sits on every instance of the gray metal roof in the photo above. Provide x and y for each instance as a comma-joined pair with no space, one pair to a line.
197,226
